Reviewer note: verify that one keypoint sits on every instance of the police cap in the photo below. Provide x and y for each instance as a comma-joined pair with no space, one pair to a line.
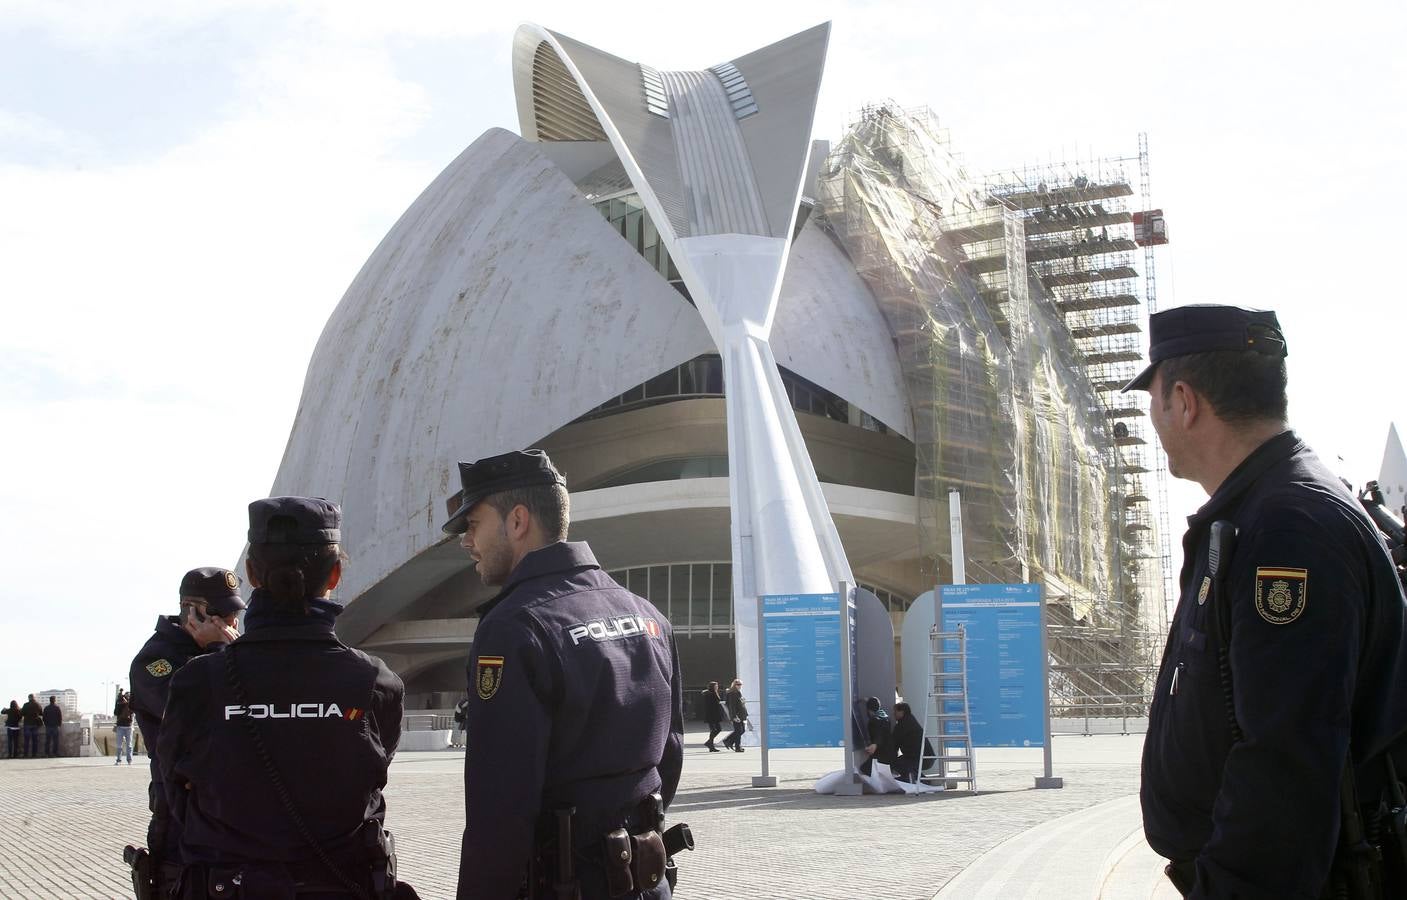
1202,329
219,588
294,520
495,474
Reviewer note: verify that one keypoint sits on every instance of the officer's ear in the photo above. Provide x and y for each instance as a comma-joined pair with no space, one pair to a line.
1187,404
519,522
335,577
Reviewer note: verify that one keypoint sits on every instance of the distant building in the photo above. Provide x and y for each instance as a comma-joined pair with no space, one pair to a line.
67,700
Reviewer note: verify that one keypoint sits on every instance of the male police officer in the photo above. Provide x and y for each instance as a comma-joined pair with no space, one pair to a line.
1286,657
574,700
209,613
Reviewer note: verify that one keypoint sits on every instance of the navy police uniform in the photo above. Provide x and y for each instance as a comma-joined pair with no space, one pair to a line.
327,716
1249,807
165,653
574,700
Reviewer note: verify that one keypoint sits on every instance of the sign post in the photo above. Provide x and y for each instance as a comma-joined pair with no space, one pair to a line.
1008,671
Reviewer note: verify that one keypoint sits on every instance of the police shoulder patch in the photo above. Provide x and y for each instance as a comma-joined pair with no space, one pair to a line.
159,668
488,676
1281,593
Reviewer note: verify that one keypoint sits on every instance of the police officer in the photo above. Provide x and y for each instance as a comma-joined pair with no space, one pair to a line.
210,605
1285,659
574,700
274,753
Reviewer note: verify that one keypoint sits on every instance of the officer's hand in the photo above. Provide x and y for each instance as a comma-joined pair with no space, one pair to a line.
871,748
212,630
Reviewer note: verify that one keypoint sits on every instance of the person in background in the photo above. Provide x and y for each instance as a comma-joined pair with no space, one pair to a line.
13,717
457,737
33,715
881,738
908,743
712,713
53,725
737,712
122,726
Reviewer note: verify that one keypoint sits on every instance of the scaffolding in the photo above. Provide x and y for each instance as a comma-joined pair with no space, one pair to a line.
1014,303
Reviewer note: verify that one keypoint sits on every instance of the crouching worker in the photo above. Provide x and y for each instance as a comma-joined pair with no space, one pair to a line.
274,753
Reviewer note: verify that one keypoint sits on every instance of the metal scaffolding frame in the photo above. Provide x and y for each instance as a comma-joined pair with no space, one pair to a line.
1017,310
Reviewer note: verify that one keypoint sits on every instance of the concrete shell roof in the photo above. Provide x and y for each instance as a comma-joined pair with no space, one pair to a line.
502,306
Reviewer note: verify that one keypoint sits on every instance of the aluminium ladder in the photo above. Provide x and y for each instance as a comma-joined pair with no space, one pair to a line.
947,724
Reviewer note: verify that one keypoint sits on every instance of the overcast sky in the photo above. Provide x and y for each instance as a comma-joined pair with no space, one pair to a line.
186,190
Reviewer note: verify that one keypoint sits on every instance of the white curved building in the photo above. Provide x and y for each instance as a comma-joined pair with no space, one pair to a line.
505,310
635,285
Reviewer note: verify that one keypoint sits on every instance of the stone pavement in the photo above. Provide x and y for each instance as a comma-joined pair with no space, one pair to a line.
63,824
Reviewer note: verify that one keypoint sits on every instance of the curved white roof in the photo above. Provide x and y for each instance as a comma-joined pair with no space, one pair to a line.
500,307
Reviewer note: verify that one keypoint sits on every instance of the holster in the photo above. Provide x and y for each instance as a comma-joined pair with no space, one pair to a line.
380,847
143,872
634,862
1183,875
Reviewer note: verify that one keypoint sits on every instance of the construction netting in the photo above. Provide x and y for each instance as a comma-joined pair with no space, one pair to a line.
1003,411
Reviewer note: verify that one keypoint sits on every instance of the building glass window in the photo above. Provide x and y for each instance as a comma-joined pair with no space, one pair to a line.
703,377
722,610
700,595
657,591
697,598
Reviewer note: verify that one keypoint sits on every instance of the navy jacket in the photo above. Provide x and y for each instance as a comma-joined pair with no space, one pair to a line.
330,717
1319,669
574,699
165,653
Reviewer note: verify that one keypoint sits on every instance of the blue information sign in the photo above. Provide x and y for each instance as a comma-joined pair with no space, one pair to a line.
801,653
1006,679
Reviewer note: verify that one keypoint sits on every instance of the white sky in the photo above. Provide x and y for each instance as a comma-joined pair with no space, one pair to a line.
186,190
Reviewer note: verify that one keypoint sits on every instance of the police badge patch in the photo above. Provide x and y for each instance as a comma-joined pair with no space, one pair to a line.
489,676
159,668
1281,594
232,581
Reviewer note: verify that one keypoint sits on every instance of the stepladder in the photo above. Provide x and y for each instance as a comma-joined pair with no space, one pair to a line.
947,759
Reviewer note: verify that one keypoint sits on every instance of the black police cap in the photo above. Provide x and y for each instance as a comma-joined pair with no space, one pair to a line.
294,520
219,588
1202,329
495,474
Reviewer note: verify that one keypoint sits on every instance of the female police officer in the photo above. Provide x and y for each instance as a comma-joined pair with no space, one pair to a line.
274,753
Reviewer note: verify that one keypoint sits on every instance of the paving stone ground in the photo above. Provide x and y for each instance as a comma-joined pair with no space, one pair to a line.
63,822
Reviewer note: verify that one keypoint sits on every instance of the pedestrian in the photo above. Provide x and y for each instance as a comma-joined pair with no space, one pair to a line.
122,726
737,713
712,713
574,702
206,622
33,717
13,718
274,753
1283,685
53,727
457,737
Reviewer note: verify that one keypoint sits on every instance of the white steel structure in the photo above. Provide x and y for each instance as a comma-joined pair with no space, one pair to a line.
718,157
